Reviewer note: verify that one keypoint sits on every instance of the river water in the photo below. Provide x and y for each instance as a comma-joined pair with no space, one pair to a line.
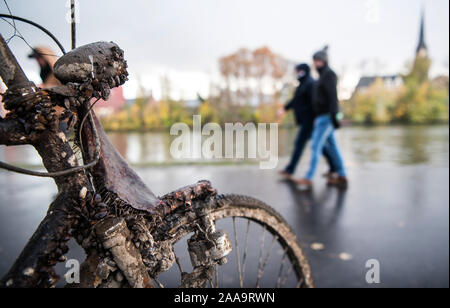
400,145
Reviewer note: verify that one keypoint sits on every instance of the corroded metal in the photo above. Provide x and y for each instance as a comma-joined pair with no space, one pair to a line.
115,237
10,70
117,181
184,197
127,232
122,245
207,252
45,125
198,278
47,247
98,66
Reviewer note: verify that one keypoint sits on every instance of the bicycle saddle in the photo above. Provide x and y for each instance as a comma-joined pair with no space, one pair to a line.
93,70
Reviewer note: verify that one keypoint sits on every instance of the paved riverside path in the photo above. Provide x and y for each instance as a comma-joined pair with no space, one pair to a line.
398,215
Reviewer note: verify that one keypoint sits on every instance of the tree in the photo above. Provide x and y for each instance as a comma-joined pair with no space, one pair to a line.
421,100
372,106
247,74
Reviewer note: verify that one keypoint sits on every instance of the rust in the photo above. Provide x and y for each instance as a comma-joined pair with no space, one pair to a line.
114,235
10,70
126,231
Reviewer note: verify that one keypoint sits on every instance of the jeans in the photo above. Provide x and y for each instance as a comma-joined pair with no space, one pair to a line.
304,135
323,139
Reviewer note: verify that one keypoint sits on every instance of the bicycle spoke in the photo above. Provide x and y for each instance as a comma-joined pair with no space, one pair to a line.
177,260
245,250
217,276
241,282
261,251
300,282
280,273
261,273
275,259
288,274
160,285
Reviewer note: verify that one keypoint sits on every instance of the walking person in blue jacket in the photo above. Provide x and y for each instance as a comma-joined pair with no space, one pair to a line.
302,105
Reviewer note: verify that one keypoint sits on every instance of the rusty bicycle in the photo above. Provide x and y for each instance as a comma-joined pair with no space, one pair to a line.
191,238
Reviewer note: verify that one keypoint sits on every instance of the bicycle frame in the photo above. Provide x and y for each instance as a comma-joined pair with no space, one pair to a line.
81,202
102,203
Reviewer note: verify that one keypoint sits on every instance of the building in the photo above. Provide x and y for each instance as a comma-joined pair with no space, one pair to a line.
391,82
115,103
422,49
396,81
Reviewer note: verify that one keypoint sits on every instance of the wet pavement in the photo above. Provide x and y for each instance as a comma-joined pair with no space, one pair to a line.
394,212
400,218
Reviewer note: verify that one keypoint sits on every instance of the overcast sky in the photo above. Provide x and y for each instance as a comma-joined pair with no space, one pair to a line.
184,38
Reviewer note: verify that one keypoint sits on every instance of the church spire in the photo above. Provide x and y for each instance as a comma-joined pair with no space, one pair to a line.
422,49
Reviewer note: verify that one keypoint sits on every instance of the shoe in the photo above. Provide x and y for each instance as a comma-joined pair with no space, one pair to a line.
330,175
286,175
340,182
304,184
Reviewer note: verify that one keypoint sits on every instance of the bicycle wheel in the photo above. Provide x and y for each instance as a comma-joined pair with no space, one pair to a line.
265,250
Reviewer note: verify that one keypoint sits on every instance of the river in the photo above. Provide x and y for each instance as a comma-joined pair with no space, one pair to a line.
398,145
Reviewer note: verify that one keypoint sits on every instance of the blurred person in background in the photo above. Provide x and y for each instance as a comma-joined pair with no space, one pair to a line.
2,110
302,105
326,107
46,59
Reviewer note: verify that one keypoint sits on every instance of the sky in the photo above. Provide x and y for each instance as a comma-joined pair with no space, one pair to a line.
183,39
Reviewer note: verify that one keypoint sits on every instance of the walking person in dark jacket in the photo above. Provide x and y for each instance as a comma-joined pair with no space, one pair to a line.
325,102
302,105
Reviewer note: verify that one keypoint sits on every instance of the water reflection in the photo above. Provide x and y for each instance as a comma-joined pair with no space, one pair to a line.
20,155
389,145
120,141
398,145
322,209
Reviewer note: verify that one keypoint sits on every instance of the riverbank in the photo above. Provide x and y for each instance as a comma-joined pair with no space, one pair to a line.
289,126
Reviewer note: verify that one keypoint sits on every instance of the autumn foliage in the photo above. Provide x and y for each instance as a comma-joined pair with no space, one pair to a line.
255,83
419,100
